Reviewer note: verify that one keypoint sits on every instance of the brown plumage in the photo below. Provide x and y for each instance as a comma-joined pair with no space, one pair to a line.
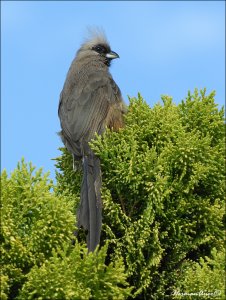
89,102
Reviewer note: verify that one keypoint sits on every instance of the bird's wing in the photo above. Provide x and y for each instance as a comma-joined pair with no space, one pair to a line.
84,110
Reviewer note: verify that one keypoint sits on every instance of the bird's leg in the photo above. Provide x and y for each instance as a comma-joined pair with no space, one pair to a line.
74,166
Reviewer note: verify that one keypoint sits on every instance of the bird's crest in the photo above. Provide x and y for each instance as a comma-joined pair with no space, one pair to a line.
94,36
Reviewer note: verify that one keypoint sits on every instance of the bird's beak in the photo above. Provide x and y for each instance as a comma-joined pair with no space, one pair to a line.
112,55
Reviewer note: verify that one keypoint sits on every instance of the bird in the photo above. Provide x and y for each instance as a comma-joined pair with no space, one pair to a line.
90,102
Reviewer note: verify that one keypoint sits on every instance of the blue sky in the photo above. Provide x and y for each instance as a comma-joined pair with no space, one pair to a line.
165,47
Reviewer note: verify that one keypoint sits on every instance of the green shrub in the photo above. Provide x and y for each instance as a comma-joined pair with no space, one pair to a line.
74,274
4,284
38,259
34,222
205,278
163,194
163,187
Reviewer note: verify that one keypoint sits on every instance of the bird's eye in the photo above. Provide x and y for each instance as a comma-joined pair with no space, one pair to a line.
100,49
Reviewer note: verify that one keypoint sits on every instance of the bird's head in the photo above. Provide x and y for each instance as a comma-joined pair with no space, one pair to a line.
97,46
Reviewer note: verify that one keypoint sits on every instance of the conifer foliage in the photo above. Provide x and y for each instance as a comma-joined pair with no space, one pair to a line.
163,194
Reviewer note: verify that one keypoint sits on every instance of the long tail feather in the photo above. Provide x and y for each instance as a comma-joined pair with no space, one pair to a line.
90,210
